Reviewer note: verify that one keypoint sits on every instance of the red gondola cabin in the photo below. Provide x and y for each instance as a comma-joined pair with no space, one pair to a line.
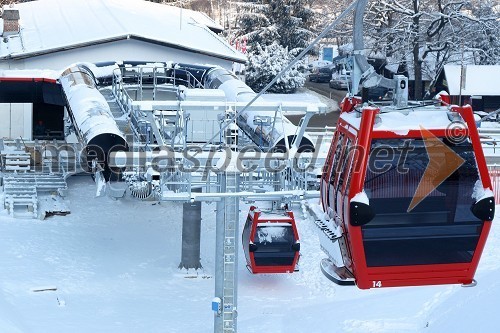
270,242
408,195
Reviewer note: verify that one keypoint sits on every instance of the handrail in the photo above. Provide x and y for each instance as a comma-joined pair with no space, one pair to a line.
175,76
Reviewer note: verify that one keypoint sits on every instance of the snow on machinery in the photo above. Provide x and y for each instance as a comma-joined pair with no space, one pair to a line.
173,107
405,188
92,120
263,122
178,95
74,88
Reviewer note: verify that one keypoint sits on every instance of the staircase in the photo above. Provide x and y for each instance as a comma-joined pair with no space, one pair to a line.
22,187
22,191
17,161
120,118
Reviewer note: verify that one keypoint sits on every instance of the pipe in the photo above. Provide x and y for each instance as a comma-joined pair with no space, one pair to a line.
267,128
277,134
92,119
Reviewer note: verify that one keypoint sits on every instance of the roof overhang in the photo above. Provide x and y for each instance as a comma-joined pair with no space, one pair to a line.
26,55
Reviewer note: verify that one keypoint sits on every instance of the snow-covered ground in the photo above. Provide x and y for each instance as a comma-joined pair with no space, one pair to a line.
114,264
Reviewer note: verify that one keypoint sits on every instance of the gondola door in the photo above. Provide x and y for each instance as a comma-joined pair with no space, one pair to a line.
339,148
245,237
328,171
339,191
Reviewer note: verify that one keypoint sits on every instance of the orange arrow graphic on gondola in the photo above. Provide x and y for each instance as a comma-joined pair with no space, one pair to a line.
443,162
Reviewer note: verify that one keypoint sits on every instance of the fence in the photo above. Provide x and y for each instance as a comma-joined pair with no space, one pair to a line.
495,181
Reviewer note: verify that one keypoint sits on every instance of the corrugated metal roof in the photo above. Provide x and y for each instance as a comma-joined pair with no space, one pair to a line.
52,25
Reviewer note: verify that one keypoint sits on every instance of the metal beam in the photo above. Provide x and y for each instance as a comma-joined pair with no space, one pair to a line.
226,271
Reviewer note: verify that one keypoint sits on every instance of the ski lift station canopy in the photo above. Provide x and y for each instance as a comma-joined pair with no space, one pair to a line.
411,194
52,34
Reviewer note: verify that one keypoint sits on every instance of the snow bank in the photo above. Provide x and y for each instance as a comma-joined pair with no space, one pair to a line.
115,266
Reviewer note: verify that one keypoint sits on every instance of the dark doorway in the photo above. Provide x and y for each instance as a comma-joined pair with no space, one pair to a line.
48,101
48,121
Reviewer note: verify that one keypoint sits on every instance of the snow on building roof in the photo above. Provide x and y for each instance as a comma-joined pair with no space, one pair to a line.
479,80
203,18
31,73
49,26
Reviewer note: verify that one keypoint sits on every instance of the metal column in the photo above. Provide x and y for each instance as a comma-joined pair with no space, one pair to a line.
191,234
227,233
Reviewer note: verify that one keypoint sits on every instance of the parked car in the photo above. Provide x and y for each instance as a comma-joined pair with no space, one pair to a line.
319,63
340,81
321,74
378,94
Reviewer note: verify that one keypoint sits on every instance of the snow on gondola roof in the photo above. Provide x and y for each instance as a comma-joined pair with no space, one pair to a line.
49,26
430,118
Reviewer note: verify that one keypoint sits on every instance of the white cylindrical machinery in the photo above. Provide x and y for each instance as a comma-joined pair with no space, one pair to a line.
263,122
92,119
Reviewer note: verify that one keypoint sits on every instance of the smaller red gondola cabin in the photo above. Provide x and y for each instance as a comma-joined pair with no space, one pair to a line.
408,195
270,242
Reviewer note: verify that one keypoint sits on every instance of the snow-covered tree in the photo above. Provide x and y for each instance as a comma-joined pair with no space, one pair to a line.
325,12
267,62
221,11
292,20
414,31
485,40
286,21
8,2
277,26
254,24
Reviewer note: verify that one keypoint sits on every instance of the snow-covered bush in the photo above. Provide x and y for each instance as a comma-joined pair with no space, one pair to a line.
265,63
274,32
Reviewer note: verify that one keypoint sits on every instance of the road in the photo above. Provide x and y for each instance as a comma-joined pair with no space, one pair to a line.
325,90
322,120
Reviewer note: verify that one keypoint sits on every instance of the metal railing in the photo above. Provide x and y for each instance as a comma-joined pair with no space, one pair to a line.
494,171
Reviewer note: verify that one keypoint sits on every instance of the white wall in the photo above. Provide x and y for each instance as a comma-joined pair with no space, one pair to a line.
16,120
6,64
203,125
114,51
